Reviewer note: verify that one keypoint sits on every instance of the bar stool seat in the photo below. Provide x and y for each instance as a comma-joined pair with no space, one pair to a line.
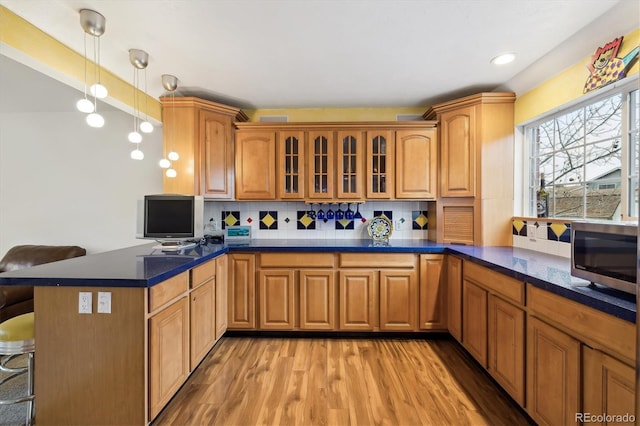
17,337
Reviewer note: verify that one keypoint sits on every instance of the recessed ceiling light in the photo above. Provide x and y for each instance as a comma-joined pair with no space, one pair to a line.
505,58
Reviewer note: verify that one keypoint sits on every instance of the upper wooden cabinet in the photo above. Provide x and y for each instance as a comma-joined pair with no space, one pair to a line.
320,159
380,164
458,161
476,170
350,165
416,164
290,165
201,132
337,162
255,165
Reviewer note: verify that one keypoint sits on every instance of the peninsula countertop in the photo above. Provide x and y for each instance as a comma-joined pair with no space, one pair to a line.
144,266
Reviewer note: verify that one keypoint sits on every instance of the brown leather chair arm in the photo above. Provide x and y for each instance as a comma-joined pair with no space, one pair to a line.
25,256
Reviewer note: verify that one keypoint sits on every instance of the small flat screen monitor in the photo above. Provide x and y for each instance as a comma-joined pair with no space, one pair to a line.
172,217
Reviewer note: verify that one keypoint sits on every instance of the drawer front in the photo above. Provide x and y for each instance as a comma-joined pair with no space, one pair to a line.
167,290
496,282
378,260
595,328
202,273
297,260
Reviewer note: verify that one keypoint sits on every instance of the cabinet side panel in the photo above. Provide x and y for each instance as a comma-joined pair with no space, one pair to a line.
73,347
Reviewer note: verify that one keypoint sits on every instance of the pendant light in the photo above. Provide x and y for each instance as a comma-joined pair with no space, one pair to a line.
93,24
170,83
139,59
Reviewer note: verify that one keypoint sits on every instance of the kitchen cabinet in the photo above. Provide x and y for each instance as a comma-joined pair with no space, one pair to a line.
358,300
475,201
506,346
202,133
169,340
416,164
276,299
398,300
202,321
321,165
221,297
317,299
493,325
290,165
454,296
608,386
255,163
432,293
457,145
380,164
341,161
474,321
553,374
242,291
350,165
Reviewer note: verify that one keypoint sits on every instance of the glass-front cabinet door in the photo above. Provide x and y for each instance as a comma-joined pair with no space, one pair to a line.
350,165
380,164
321,165
290,166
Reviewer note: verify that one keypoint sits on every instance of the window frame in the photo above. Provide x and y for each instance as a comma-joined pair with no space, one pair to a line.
525,192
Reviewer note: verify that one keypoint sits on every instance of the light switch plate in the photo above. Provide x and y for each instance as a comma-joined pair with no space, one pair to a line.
104,302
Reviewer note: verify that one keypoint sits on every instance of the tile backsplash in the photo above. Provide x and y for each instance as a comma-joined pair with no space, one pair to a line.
541,235
295,220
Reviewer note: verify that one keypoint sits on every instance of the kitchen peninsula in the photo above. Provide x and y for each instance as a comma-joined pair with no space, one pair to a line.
167,310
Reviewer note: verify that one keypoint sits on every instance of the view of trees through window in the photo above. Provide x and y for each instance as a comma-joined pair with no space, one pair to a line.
588,157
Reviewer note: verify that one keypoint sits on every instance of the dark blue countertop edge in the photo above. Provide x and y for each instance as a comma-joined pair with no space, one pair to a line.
499,259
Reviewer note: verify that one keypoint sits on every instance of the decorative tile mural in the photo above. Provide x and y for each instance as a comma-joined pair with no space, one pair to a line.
296,219
542,235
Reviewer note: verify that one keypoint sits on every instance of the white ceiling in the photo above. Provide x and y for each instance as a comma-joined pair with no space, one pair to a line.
332,53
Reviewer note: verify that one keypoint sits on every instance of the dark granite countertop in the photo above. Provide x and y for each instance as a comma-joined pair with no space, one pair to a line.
142,266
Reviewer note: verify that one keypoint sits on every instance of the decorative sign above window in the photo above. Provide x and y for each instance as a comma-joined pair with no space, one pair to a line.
606,68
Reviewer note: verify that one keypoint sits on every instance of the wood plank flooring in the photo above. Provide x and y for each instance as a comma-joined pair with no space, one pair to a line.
305,381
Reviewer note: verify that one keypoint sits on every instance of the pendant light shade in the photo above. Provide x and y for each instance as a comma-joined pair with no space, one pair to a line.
136,154
95,120
85,105
99,91
139,59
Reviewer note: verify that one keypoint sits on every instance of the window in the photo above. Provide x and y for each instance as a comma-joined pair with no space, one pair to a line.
588,157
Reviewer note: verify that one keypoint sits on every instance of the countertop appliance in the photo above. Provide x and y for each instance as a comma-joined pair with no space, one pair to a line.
605,253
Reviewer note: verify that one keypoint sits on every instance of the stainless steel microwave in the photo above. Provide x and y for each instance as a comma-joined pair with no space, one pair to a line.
605,253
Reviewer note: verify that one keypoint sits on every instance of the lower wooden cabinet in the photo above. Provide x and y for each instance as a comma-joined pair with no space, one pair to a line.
506,341
202,319
317,298
276,299
454,297
553,374
242,291
168,354
432,292
357,300
608,387
474,321
398,300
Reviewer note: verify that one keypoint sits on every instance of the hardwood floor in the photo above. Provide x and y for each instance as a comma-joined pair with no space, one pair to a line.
304,381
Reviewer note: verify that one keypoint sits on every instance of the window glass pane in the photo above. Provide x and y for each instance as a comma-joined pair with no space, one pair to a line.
603,161
567,167
634,110
570,130
566,201
544,135
603,119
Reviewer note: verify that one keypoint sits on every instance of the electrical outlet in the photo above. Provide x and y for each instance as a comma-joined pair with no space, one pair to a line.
84,302
104,302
